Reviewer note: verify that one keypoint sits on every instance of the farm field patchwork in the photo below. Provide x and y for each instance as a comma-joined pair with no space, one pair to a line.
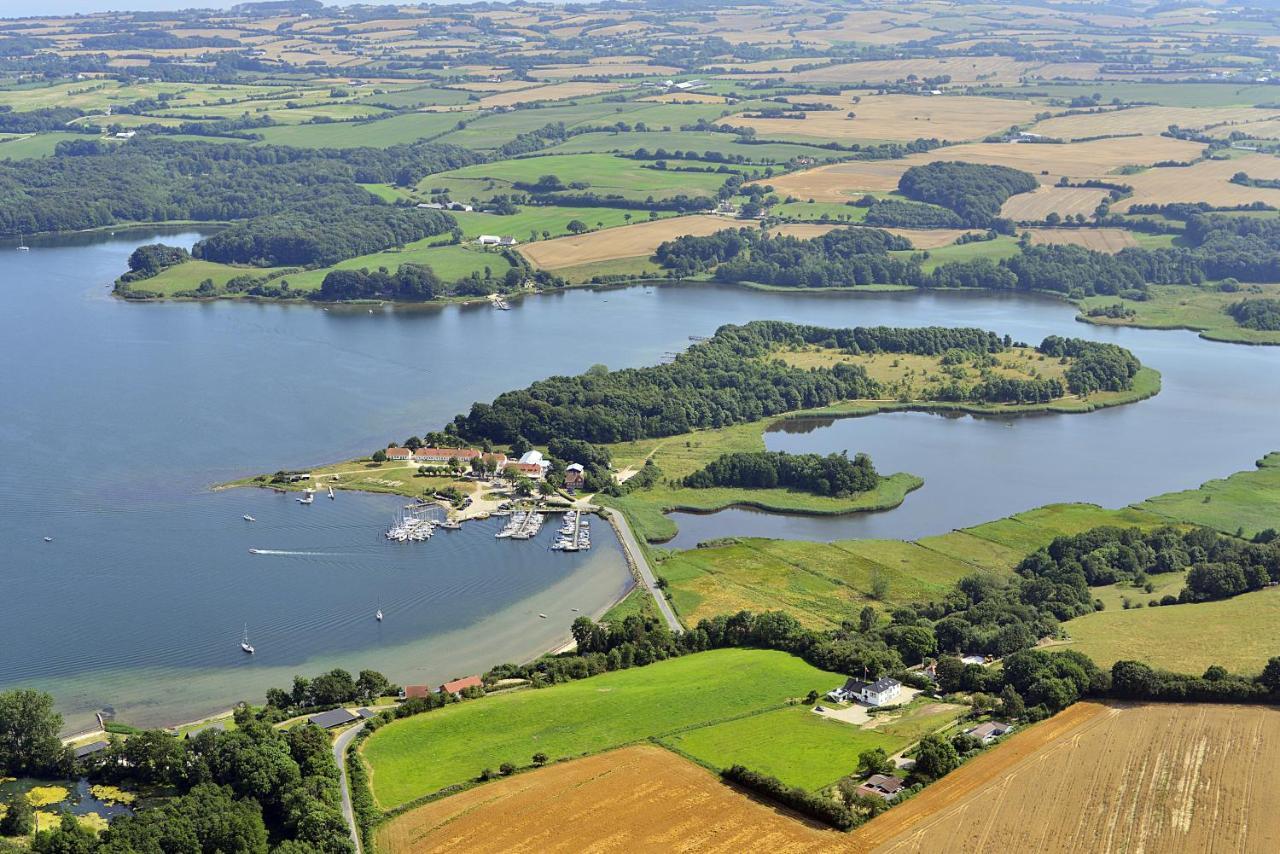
640,797
604,173
629,241
1109,240
1040,790
1207,181
423,754
1151,121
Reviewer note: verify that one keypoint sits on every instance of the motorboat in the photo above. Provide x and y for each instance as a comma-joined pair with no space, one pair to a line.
248,518
308,496
48,539
378,616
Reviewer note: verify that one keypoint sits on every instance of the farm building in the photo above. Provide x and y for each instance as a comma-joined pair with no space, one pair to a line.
457,686
333,718
399,454
989,731
878,693
574,476
443,455
882,786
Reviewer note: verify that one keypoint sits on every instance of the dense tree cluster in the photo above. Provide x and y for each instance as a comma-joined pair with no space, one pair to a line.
37,121
328,690
893,212
321,235
723,381
974,191
726,380
89,184
255,788
150,260
410,283
1095,366
832,475
29,742
1260,314
807,803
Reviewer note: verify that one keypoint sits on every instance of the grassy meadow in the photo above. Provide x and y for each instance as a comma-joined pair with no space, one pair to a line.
802,748
1199,309
450,746
1247,501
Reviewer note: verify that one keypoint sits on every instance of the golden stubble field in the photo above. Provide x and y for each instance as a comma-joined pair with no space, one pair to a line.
841,181
1109,240
628,241
1156,778
1151,121
640,798
1206,181
904,117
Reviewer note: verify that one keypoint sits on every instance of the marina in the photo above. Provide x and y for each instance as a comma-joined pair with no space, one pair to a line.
575,533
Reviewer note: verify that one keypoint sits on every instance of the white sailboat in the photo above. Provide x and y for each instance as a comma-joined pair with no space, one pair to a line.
23,247
331,495
378,616
244,641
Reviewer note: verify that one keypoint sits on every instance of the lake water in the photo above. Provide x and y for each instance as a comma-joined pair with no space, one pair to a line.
118,417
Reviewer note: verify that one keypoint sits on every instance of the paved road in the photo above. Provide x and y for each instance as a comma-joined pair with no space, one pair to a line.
642,566
340,756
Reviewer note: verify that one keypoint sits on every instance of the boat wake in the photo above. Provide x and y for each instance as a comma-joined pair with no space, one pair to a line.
278,552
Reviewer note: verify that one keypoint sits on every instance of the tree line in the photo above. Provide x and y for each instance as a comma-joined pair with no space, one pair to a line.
833,475
974,191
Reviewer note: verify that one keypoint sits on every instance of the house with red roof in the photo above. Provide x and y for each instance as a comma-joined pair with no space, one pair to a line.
457,686
399,454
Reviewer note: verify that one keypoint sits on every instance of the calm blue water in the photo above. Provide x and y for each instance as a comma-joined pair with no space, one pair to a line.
118,417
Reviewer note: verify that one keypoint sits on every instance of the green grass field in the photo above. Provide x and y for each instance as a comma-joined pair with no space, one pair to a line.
604,173
1181,95
1240,634
449,262
403,128
802,748
1248,500
1188,307
450,746
995,250
552,219
803,211
638,265
820,584
419,96
721,143
35,145
1112,596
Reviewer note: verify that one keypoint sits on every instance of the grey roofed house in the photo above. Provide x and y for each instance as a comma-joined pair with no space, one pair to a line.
882,785
366,713
333,718
989,731
90,749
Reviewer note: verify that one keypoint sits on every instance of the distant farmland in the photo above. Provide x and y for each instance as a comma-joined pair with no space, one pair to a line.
1156,778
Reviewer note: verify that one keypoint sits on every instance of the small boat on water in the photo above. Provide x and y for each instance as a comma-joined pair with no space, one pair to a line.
451,525
248,518
48,539
331,495
378,616
543,616
308,496
244,641
255,551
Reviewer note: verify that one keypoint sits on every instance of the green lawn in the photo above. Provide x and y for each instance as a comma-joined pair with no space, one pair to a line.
35,145
425,753
1240,634
1247,499
802,748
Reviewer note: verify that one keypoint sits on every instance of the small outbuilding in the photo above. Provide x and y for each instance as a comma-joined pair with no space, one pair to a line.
86,750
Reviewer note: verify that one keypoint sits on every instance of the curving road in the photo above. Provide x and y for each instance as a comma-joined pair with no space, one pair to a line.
340,745
637,558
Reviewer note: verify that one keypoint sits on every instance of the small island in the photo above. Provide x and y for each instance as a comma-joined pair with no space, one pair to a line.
688,435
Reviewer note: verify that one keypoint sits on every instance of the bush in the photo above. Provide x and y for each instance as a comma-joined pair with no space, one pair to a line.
806,803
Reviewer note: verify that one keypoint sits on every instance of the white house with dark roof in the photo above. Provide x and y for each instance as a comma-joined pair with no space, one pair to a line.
881,692
989,731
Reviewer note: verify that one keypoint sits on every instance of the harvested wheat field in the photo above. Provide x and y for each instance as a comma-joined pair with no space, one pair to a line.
840,181
1167,778
636,799
1151,121
1067,201
628,241
898,117
553,92
1098,239
921,238
1206,181
962,69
